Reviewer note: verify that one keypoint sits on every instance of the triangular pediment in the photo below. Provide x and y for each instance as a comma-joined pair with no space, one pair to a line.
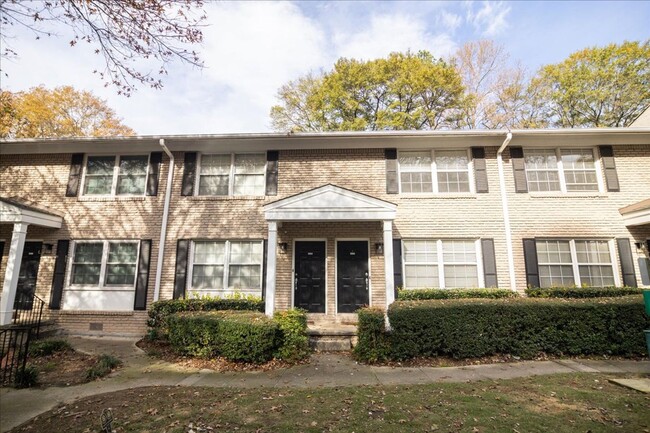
330,202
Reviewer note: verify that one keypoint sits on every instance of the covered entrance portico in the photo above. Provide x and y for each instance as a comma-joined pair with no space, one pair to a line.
329,231
21,216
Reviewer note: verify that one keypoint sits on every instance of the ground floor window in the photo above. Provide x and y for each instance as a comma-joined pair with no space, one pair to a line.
448,263
568,262
219,267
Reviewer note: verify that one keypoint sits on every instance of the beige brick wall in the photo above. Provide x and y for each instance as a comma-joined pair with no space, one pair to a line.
42,179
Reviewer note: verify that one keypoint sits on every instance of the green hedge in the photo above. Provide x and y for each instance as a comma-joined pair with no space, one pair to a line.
236,335
373,344
422,294
519,326
294,343
160,311
581,292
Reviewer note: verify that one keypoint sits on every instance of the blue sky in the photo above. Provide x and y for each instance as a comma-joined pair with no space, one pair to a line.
252,48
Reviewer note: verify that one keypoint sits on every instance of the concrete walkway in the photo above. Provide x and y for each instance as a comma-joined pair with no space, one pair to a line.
324,370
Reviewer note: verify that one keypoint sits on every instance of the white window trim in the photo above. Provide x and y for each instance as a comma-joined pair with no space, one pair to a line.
434,173
231,175
116,172
574,258
226,270
102,270
440,263
560,170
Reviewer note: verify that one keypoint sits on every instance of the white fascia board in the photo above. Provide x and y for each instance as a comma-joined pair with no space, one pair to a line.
13,214
328,215
637,218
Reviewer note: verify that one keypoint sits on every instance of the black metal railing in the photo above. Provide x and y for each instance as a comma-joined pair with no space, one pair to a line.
14,347
28,311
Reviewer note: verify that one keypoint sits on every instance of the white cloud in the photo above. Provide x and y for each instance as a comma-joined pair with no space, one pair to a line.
490,19
450,20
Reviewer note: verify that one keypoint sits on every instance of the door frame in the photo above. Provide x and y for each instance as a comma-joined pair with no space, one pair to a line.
293,269
40,262
336,271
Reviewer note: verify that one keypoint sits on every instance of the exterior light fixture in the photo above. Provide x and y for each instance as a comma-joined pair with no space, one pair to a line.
379,247
283,246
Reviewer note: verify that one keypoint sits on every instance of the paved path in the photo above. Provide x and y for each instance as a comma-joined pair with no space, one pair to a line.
324,370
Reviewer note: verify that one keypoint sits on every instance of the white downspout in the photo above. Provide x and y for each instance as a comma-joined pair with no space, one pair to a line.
506,213
163,228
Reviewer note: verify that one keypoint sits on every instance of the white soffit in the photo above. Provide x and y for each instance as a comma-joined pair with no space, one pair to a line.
636,214
330,203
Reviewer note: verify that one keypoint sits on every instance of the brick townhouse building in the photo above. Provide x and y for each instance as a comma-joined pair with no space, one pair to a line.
99,228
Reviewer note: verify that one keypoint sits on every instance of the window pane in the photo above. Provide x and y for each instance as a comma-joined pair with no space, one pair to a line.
579,170
459,251
459,276
451,160
245,265
133,174
553,252
215,164
121,265
244,276
99,175
541,170
421,276
415,161
210,252
213,185
556,275
87,263
415,171
207,277
599,276
249,184
86,274
449,181
250,164
416,182
214,175
420,251
100,165
593,252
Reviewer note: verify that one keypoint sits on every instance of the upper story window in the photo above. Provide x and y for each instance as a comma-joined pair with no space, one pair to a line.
434,263
115,175
565,170
439,171
232,174
575,262
220,265
104,264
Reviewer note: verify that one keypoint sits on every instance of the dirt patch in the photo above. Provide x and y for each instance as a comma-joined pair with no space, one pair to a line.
163,350
65,368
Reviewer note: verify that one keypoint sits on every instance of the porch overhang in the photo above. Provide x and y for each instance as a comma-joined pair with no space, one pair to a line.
13,211
636,214
330,203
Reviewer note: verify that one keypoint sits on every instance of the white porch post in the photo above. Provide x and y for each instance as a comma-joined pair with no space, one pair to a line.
272,248
11,272
388,262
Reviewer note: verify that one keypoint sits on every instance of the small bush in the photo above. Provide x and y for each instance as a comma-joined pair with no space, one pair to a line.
522,327
48,347
372,344
27,377
235,335
294,344
422,294
581,292
161,310
104,365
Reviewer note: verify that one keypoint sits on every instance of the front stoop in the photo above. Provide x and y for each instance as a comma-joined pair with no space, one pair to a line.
332,339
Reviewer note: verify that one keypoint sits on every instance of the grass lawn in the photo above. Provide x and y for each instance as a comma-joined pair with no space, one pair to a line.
558,403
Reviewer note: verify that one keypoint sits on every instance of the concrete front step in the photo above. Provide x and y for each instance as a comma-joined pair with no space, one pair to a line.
332,338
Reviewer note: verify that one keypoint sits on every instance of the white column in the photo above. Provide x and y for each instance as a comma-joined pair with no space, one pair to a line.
272,248
11,272
388,262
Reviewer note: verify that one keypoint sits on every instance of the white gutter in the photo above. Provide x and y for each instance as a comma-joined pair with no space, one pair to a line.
506,213
165,217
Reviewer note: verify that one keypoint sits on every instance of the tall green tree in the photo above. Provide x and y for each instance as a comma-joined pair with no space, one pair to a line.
596,87
60,112
403,91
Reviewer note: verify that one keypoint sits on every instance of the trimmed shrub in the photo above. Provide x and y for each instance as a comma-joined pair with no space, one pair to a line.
372,344
48,347
236,335
27,377
161,310
294,339
104,365
519,326
423,294
581,292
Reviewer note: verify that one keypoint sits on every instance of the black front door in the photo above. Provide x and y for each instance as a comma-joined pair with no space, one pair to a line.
309,276
27,276
353,281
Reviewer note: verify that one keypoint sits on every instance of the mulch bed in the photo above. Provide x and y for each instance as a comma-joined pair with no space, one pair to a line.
64,368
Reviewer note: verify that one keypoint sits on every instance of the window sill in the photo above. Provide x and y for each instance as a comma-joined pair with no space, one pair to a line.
100,289
226,198
111,198
594,194
441,196
95,313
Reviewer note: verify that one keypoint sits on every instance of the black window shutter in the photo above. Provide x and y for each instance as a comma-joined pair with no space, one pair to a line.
627,263
2,251
392,184
180,277
154,173
58,280
74,179
397,265
489,263
265,246
607,157
530,257
142,281
189,174
480,170
519,169
272,157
